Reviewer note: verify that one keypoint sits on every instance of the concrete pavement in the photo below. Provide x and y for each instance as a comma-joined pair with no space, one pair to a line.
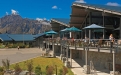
15,55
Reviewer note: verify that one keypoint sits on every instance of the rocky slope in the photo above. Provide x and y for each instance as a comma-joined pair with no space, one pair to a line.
15,24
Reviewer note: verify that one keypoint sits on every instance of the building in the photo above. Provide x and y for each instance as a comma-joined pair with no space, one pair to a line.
83,15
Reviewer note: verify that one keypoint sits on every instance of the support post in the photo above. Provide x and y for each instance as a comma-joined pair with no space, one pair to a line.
89,36
113,62
103,25
53,47
71,57
67,63
86,66
120,28
46,45
86,56
90,21
61,55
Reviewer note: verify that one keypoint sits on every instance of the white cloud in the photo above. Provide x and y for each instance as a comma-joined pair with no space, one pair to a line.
6,13
39,19
80,1
44,19
55,7
112,4
14,12
46,23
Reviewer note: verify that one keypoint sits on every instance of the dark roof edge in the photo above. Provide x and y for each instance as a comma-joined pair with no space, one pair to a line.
60,22
96,8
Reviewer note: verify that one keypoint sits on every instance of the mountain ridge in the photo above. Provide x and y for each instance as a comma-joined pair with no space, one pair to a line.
15,24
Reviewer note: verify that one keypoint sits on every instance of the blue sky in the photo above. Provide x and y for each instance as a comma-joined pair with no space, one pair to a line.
45,8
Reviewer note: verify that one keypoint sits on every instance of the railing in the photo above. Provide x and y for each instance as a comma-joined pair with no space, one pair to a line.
91,44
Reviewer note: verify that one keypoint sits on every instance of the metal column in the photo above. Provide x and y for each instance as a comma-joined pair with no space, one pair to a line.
71,57
103,25
120,28
113,62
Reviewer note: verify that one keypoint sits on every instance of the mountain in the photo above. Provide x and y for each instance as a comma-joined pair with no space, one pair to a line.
15,24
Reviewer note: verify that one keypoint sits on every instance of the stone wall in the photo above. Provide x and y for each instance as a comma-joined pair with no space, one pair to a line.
77,54
57,48
99,59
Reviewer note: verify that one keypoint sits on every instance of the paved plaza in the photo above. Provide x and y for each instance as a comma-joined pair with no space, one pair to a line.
15,55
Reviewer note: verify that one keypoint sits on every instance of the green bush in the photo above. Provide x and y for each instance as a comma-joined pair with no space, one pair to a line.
60,72
2,46
1,69
38,70
30,66
26,46
9,45
17,69
14,46
1,73
49,70
6,63
65,70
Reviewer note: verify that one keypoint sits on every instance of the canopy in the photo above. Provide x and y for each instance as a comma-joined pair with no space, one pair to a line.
94,26
73,29
51,32
64,30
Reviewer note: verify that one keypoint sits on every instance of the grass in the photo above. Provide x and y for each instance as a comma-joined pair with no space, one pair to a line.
43,62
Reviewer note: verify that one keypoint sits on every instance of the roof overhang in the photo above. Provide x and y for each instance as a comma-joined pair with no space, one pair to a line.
67,25
96,8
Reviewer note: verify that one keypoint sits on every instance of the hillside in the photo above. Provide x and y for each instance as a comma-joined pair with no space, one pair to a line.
15,24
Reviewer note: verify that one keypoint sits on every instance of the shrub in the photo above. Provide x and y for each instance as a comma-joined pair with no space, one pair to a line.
1,73
10,45
26,46
38,70
17,69
1,69
2,46
6,63
60,72
14,45
29,66
65,70
49,70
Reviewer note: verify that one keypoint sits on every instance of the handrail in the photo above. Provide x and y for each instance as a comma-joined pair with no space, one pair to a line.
94,43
